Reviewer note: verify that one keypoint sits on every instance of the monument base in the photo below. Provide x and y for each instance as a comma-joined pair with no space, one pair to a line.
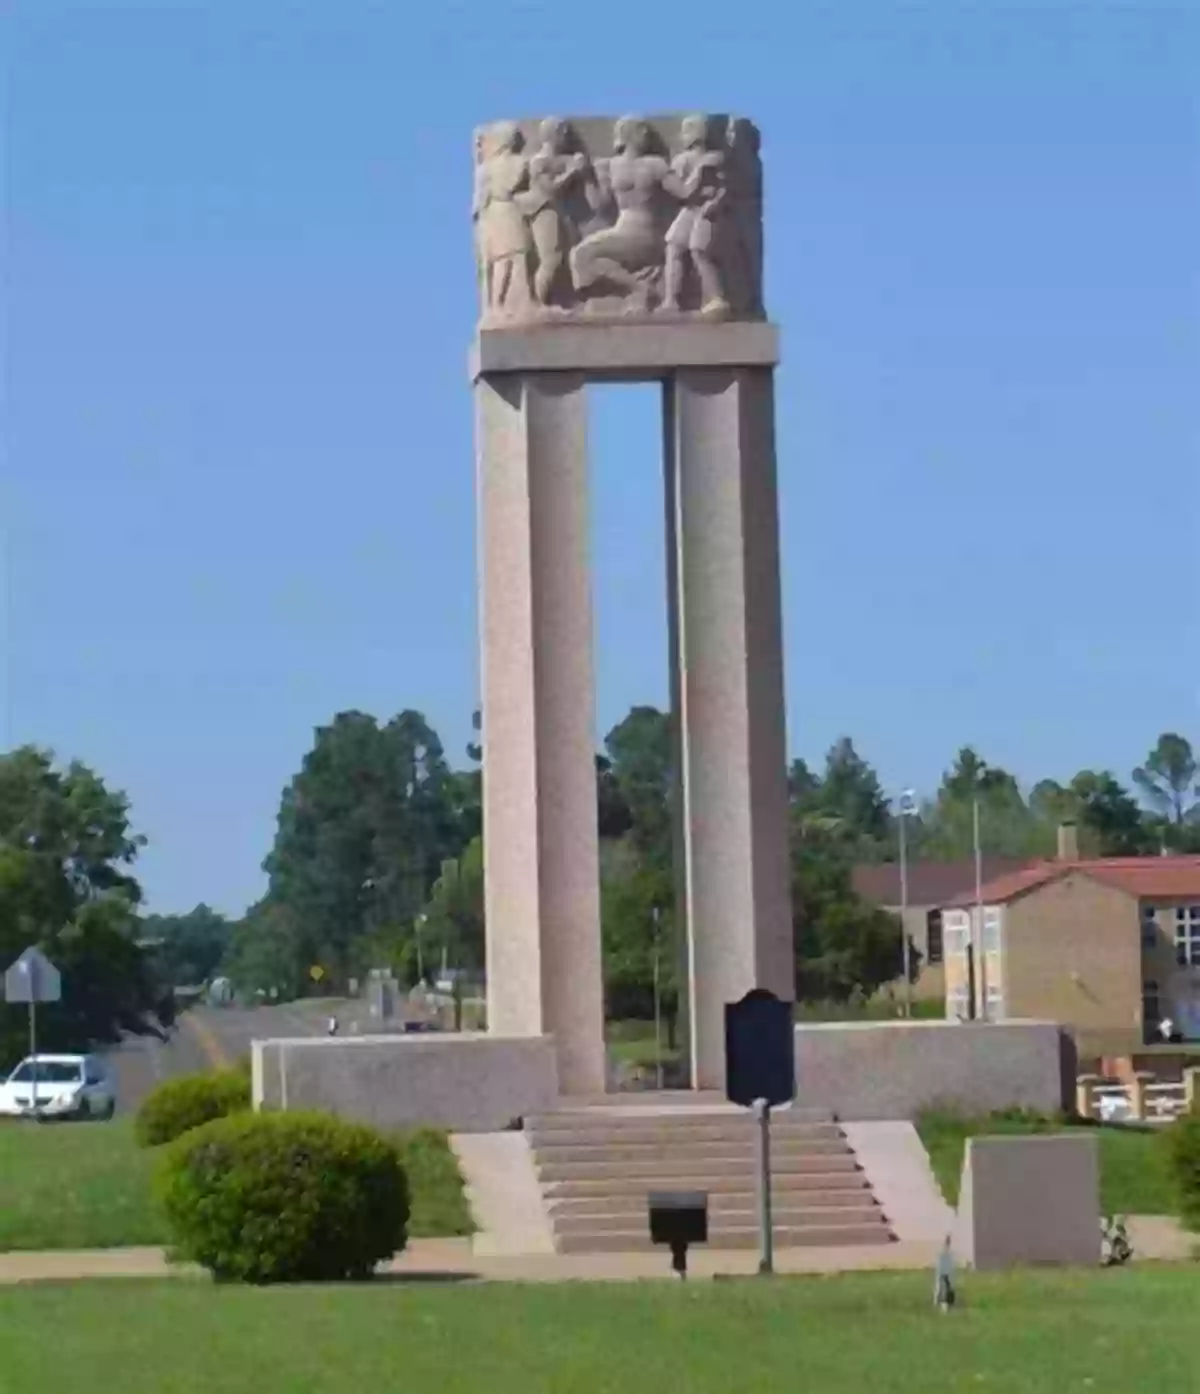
864,1070
470,1083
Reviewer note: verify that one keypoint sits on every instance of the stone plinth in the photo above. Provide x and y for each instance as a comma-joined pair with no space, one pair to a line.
1027,1200
471,1083
897,1069
634,352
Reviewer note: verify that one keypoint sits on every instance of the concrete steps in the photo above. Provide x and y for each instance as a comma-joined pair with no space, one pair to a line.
815,1236
596,1163
631,1205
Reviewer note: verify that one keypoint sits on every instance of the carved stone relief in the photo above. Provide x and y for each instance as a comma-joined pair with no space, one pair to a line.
642,217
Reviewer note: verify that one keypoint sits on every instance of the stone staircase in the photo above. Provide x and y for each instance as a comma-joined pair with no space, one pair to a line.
597,1162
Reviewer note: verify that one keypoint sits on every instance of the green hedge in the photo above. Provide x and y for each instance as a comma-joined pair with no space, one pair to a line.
178,1105
284,1197
1183,1152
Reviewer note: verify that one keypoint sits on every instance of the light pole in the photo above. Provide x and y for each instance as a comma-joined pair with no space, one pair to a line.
908,805
658,1060
978,930
420,924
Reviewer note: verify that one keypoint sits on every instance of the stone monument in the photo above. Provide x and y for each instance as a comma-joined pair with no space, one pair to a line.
1025,1200
627,250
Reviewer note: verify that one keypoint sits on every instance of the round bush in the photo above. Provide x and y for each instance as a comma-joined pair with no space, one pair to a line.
178,1105
1183,1150
284,1197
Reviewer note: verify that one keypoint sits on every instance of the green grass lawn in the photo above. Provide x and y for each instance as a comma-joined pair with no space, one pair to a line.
75,1186
1111,1332
87,1186
1133,1174
633,1043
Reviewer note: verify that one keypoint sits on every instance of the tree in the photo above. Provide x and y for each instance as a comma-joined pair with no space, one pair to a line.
849,791
640,761
267,953
614,818
364,829
637,885
454,922
1007,826
844,945
66,852
188,947
1168,779
638,935
1108,818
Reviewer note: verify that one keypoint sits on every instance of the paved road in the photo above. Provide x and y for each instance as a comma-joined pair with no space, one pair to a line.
206,1037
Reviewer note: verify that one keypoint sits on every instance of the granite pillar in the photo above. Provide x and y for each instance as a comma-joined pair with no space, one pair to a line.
727,666
541,866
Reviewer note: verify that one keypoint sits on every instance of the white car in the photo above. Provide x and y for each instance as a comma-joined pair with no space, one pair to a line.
68,1086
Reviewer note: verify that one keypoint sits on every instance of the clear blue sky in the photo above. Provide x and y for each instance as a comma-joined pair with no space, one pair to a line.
237,455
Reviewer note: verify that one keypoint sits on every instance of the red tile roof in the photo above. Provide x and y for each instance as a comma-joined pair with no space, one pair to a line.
929,883
1146,878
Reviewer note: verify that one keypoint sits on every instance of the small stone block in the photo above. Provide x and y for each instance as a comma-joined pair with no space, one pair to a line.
1029,1200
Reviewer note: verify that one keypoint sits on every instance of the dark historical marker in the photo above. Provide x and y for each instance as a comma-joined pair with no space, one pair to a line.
760,1073
760,1050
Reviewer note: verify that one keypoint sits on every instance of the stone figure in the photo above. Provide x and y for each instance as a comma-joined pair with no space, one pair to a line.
503,237
630,253
554,172
742,239
700,175
591,219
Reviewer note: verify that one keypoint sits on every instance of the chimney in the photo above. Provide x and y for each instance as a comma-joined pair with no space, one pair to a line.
1068,842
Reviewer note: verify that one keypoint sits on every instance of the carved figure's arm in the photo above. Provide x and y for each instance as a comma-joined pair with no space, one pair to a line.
679,185
573,169
712,204
599,190
480,200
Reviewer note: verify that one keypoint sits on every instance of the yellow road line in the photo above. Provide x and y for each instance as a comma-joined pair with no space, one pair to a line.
214,1052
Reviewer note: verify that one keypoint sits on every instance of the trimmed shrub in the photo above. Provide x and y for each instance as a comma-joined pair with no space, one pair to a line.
1183,1151
178,1105
284,1197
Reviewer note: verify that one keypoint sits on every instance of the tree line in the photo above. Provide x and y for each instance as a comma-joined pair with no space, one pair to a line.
378,860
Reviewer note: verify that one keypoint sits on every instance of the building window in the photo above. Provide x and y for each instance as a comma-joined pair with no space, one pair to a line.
933,937
991,931
1187,936
956,932
1149,927
995,1003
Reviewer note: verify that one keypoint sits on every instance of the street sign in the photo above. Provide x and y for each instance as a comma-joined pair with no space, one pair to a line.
33,978
760,1050
316,972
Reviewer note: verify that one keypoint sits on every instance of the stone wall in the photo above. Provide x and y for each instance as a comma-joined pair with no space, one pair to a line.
897,1069
471,1083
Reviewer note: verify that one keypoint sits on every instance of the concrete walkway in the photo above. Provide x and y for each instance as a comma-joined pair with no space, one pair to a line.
504,1195
1156,1238
450,1259
897,1166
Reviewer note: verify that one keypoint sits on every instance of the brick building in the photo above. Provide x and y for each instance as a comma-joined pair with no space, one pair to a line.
1109,947
931,885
